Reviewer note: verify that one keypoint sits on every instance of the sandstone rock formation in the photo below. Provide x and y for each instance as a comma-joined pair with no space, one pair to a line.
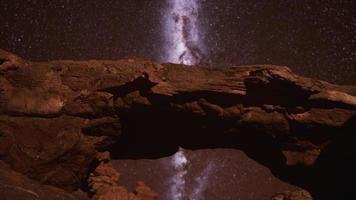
15,186
56,116
295,195
104,184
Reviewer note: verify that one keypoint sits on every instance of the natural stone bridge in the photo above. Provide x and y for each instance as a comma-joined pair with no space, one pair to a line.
55,118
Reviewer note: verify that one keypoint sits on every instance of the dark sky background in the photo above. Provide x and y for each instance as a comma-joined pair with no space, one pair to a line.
316,38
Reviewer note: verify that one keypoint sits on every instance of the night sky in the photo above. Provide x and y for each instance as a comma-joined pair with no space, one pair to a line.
313,37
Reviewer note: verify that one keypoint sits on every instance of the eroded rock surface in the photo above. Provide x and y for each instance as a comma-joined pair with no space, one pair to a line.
55,117
295,195
104,184
14,185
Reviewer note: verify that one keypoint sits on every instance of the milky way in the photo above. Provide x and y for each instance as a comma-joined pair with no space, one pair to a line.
182,32
180,165
202,182
179,189
313,38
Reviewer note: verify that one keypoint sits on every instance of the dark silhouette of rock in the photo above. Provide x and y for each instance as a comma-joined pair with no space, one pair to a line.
56,116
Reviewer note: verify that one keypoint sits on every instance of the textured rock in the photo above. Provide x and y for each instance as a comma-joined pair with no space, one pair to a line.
14,185
144,192
104,184
295,195
55,116
50,150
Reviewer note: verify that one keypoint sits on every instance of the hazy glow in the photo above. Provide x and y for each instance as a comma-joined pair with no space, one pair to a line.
202,182
178,188
181,29
179,163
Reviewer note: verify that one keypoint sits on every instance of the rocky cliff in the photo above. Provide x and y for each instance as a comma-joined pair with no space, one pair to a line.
56,117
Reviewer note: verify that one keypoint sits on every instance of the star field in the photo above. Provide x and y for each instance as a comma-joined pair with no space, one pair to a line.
313,38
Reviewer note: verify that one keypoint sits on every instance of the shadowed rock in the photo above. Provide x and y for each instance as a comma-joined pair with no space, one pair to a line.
295,195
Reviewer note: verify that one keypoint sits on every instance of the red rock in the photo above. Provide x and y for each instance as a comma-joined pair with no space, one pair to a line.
104,184
56,116
50,150
15,186
144,192
295,195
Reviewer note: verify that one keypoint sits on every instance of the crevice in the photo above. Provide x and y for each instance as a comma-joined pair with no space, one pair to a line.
3,60
275,92
219,98
84,184
141,83
34,115
327,104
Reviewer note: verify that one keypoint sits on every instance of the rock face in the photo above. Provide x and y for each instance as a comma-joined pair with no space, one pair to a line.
295,195
104,184
14,185
56,116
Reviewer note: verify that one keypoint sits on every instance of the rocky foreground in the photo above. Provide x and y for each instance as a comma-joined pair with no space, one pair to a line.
60,120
